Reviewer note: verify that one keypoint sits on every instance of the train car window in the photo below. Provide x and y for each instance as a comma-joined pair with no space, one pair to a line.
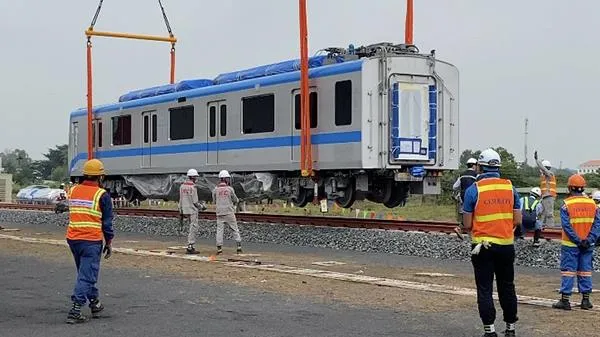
181,122
154,128
343,103
121,130
93,135
258,114
99,134
313,104
223,120
146,128
213,121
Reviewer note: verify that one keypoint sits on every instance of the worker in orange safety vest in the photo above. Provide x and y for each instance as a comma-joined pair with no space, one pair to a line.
548,187
580,219
90,222
491,210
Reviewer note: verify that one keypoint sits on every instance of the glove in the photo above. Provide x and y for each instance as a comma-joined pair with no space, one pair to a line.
584,245
107,250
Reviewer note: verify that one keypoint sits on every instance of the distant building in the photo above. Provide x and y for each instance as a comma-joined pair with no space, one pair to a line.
590,166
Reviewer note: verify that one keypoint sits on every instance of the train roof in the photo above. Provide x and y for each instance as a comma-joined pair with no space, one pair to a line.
337,61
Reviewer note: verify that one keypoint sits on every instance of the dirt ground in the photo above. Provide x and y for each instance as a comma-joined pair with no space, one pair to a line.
546,321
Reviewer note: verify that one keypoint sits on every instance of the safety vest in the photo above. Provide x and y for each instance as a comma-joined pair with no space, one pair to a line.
533,205
552,185
493,214
85,216
582,212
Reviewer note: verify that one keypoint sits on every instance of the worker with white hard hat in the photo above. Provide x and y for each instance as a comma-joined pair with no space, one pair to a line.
189,206
548,187
491,211
532,209
225,199
466,179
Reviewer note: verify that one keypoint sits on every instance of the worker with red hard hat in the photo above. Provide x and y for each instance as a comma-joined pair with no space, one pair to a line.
580,220
90,222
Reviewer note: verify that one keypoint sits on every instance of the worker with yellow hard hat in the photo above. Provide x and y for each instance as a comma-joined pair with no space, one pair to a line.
90,222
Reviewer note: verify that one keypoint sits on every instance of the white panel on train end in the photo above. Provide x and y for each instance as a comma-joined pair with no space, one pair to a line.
370,114
448,100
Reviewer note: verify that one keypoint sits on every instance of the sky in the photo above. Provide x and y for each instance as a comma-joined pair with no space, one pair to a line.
532,59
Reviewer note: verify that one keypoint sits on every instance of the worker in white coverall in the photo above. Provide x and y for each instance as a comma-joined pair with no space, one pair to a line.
548,187
225,199
188,207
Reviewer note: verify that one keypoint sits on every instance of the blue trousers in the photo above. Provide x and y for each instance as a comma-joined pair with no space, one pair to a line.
576,262
87,260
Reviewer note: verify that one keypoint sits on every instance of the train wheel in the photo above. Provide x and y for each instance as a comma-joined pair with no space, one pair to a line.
302,198
382,191
398,197
349,195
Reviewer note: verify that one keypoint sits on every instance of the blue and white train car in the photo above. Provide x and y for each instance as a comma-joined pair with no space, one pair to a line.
384,123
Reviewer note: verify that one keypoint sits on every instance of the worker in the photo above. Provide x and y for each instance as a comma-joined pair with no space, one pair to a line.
596,197
548,187
466,179
532,209
90,222
491,211
580,220
189,206
225,199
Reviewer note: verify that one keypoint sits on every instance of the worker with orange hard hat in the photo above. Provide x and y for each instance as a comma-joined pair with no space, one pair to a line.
580,221
90,222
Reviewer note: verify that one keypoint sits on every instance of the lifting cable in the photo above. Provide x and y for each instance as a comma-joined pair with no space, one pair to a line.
90,32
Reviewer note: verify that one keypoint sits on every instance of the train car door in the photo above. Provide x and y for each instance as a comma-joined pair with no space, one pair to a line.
149,136
413,117
215,110
97,130
295,121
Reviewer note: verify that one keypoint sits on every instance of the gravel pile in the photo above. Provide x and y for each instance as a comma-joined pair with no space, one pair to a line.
440,246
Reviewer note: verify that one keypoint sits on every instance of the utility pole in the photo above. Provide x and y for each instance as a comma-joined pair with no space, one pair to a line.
525,147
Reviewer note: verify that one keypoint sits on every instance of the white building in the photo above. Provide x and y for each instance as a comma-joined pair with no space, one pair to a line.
590,166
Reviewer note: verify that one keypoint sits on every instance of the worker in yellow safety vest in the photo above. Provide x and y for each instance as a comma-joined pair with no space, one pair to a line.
90,222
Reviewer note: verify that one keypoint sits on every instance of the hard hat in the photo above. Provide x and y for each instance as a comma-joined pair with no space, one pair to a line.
224,174
546,163
471,161
489,158
537,191
192,173
93,167
596,195
576,180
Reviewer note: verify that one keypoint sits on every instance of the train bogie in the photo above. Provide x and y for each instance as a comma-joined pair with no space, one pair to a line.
384,124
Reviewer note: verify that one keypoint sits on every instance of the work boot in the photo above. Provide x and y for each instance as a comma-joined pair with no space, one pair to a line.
96,307
219,250
75,315
536,237
239,248
563,303
191,250
585,302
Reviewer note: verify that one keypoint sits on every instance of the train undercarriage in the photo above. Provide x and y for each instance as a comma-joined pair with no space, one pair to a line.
388,187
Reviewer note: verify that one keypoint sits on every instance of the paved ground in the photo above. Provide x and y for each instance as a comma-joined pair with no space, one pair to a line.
35,298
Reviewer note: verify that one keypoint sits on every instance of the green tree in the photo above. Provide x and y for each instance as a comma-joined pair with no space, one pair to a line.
59,173
55,157
18,163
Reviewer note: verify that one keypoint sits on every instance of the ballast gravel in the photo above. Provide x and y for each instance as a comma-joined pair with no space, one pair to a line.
432,245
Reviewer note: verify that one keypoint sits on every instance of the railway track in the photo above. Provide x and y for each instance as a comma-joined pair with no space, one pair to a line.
325,221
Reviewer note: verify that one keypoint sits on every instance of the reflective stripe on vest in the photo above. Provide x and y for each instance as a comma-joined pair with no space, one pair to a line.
493,214
551,182
582,212
85,216
533,205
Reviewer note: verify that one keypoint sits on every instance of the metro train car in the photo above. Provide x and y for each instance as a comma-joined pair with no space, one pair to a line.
384,124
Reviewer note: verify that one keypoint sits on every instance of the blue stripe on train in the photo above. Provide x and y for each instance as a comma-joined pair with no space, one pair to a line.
258,143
